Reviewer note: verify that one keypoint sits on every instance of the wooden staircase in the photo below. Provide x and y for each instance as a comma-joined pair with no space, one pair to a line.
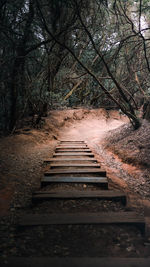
73,162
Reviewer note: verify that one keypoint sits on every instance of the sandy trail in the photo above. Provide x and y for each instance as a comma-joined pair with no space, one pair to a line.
92,130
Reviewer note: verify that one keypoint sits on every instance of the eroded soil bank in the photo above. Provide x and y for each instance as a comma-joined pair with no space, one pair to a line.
116,146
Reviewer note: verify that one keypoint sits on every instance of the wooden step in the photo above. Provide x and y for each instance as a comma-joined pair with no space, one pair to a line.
70,159
102,181
72,150
128,218
74,165
73,141
90,194
71,146
74,262
63,171
73,154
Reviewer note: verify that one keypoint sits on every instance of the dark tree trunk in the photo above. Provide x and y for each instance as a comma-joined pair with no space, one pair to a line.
146,111
17,81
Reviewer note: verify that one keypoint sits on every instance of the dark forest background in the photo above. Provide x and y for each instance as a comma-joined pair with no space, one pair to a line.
68,53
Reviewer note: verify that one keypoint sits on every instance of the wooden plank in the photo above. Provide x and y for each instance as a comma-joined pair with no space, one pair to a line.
76,152
74,262
73,154
63,171
73,141
70,159
66,140
107,218
93,180
74,165
71,146
72,150
90,194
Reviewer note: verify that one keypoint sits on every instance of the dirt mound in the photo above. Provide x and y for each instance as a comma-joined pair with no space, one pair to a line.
59,117
132,146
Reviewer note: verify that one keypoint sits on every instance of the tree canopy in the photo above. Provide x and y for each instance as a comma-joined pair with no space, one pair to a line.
73,52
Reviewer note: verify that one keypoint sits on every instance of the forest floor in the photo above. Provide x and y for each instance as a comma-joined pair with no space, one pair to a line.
123,152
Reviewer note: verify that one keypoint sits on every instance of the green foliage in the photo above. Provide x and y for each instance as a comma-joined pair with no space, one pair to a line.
47,47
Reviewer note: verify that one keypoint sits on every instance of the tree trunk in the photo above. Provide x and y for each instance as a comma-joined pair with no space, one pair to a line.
146,111
16,83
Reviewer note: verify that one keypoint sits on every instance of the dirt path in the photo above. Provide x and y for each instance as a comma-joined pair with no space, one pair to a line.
21,163
22,155
91,129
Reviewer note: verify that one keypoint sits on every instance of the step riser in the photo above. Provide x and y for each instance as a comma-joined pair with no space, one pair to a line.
73,141
67,168
75,171
52,166
72,150
69,159
46,197
103,185
102,182
76,146
112,218
73,154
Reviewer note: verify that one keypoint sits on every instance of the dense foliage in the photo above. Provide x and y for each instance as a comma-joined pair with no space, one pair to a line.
73,52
